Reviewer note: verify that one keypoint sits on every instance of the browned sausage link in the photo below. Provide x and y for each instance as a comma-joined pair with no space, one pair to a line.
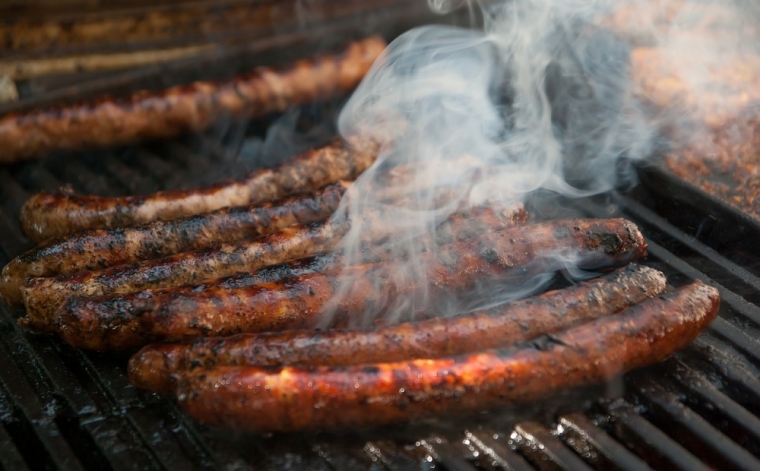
512,255
155,365
43,296
166,113
296,399
47,215
95,249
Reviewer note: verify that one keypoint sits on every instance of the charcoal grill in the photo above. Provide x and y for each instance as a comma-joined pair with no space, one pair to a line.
62,408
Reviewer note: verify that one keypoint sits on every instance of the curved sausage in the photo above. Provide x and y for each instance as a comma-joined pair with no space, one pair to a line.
47,215
511,256
95,249
297,399
193,107
43,296
154,366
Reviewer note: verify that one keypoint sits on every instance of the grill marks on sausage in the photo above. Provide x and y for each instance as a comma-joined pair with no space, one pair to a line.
299,302
154,366
323,397
46,215
43,296
170,112
100,248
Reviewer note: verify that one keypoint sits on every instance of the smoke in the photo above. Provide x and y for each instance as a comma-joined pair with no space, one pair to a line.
540,99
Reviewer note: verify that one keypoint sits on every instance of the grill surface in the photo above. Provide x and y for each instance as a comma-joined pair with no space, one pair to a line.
62,408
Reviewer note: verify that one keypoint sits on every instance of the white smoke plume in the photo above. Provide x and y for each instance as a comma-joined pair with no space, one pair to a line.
540,98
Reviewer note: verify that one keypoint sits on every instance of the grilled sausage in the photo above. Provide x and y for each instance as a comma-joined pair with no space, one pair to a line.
154,366
266,399
513,255
47,215
166,113
95,249
43,296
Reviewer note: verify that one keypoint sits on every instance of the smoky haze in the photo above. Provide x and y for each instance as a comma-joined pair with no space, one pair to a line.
540,98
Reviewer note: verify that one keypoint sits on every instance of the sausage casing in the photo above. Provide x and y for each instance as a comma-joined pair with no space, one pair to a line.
512,256
43,296
296,399
96,249
46,215
165,113
155,366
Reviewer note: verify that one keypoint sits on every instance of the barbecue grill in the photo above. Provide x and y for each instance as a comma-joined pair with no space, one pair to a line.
63,408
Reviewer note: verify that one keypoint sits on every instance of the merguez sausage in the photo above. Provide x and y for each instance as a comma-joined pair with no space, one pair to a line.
47,215
43,296
95,249
155,366
513,255
193,107
297,399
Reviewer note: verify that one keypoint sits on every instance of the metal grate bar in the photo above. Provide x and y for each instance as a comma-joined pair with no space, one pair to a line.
596,446
160,171
488,443
691,430
739,377
739,304
734,420
63,382
392,455
13,242
443,452
649,442
10,458
342,458
641,212
544,450
12,193
39,177
117,443
744,342
161,434
34,420
215,447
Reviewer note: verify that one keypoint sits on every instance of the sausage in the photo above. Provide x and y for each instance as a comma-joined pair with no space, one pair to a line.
193,107
43,296
511,256
154,366
99,248
46,215
288,399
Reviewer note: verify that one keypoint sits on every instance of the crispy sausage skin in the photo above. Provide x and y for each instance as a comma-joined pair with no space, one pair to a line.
170,112
266,399
154,366
43,296
510,256
95,249
47,215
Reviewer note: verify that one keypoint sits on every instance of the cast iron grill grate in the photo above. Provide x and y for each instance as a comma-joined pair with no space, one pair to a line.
62,408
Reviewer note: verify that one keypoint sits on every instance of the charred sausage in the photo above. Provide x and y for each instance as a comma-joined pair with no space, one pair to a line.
267,399
95,249
166,113
47,215
510,256
154,366
43,296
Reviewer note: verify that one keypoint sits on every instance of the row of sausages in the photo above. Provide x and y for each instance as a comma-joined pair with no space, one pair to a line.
258,257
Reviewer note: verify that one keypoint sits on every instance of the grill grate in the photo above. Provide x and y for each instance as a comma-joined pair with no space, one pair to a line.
65,408
62,408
